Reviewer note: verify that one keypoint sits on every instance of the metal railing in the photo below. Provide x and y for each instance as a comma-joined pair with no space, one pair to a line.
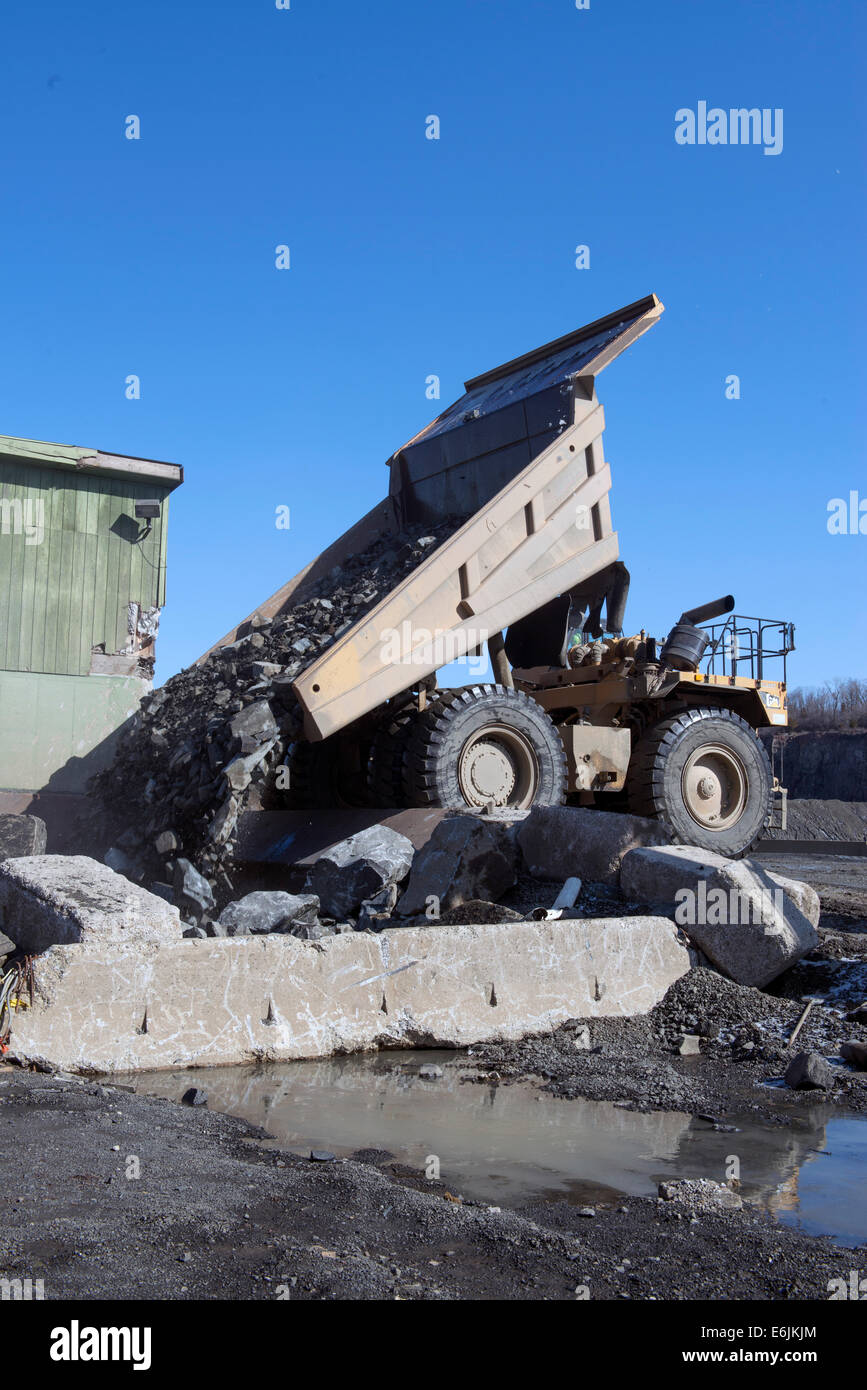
743,646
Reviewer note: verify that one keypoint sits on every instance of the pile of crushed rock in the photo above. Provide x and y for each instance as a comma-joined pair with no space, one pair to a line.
209,743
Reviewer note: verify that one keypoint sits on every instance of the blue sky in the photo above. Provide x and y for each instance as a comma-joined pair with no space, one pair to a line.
412,257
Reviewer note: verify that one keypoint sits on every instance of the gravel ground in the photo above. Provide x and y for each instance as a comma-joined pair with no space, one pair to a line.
218,1213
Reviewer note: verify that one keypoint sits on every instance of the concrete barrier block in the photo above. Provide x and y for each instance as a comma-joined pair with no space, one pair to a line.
138,1006
61,899
732,909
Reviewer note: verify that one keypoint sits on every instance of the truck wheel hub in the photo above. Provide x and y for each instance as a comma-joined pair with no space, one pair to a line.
714,785
497,765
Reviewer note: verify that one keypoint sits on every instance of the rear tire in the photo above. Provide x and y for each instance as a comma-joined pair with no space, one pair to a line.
387,757
481,744
706,776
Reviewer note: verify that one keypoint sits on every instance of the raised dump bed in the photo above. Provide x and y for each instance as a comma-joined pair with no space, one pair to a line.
520,454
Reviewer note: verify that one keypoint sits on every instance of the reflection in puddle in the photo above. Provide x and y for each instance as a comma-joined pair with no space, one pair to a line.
512,1144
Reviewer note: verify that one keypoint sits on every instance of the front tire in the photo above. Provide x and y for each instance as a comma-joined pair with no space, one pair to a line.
484,744
704,774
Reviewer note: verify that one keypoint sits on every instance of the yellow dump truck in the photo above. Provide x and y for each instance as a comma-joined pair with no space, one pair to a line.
576,709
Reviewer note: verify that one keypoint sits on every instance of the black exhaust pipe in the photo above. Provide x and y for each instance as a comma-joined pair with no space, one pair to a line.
707,611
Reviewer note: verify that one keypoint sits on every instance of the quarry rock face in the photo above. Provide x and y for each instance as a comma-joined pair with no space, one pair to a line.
58,899
825,764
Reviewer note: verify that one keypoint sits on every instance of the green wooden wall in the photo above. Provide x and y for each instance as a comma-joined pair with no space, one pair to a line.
66,594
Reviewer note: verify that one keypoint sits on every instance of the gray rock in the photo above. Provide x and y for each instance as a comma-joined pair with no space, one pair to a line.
195,1096
239,772
803,895
700,1194
60,899
22,836
271,911
121,862
6,946
808,1071
254,725
166,843
224,929
193,892
856,1053
731,909
195,933
577,842
375,913
224,821
460,862
163,890
356,869
314,931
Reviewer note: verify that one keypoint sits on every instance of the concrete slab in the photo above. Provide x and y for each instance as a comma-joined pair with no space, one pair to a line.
51,899
125,1007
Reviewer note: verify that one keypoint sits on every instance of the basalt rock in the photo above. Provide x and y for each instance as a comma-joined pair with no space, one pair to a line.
226,734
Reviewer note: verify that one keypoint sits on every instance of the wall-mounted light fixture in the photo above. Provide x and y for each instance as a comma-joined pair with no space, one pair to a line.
147,510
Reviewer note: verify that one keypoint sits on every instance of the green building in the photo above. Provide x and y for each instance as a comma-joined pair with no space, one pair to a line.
82,583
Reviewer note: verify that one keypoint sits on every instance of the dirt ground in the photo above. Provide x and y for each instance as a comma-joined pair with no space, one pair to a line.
119,1195
216,1213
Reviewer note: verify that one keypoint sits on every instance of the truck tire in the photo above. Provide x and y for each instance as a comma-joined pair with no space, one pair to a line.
312,776
484,743
387,757
704,774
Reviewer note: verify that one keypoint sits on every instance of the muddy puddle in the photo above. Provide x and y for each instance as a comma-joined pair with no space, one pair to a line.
508,1145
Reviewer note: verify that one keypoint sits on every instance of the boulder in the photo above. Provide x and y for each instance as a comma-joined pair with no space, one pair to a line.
808,1071
461,861
350,872
254,725
192,891
166,843
52,899
803,895
22,836
731,909
856,1053
375,913
578,842
270,911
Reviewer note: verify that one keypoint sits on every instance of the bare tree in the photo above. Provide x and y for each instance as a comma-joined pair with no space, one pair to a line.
838,704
